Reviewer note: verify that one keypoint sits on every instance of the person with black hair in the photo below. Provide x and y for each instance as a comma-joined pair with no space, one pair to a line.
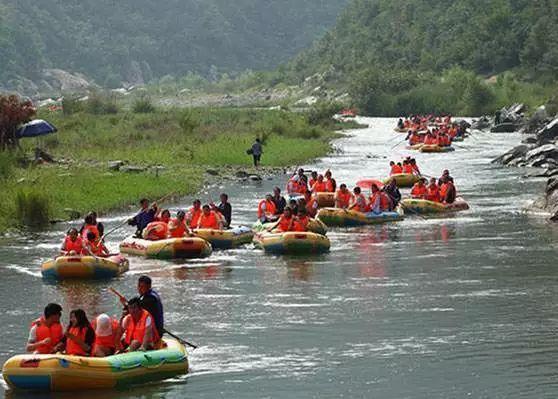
90,223
224,208
141,332
145,216
46,333
149,300
79,336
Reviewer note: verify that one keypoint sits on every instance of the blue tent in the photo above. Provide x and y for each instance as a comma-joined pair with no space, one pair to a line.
37,127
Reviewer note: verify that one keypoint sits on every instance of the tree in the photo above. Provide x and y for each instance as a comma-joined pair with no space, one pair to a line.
14,111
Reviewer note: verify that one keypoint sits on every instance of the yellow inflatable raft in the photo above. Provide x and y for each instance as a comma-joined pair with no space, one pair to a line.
336,217
325,199
226,239
292,243
435,148
76,373
85,267
403,179
414,146
171,248
411,205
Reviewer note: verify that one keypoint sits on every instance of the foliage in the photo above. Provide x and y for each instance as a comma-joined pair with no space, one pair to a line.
322,112
112,41
32,208
143,105
14,111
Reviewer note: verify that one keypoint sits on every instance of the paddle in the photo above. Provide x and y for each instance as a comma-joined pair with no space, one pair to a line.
126,221
399,143
124,301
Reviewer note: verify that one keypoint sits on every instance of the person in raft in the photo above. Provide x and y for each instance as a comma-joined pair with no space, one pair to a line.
285,222
158,229
210,219
392,192
177,227
359,201
94,246
145,216
108,335
343,197
193,214
225,209
419,189
257,150
79,336
139,326
46,333
395,169
73,244
379,201
266,210
90,223
279,201
448,192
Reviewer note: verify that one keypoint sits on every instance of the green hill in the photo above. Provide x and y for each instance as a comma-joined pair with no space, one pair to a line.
112,41
426,54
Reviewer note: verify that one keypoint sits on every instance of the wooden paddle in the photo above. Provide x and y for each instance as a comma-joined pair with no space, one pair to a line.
124,301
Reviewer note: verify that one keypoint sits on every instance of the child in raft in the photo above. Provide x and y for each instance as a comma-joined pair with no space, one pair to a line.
73,244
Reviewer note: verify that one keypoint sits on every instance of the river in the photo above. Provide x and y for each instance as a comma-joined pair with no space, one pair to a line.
445,307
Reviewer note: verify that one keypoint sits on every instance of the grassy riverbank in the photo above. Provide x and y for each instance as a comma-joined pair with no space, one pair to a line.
173,147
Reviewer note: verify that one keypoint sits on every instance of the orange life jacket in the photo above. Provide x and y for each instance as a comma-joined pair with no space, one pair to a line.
301,224
429,140
284,223
178,228
107,341
194,217
415,169
311,182
330,185
385,202
443,190
96,247
136,330
396,170
210,221
296,186
76,246
343,199
433,193
360,202
319,187
269,210
55,332
418,191
72,348
156,231
90,227
408,168
415,139
312,207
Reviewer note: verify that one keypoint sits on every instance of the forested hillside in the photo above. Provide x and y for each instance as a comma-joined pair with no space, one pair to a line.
434,47
120,40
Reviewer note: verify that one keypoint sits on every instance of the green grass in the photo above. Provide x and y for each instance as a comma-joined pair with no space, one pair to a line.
185,142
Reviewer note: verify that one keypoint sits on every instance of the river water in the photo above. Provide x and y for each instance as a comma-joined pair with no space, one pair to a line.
440,308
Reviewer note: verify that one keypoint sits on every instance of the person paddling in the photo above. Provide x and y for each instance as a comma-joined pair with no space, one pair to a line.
46,333
145,216
392,191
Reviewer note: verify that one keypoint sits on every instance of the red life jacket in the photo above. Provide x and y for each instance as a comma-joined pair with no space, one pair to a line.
96,247
156,231
396,170
330,185
301,224
55,332
90,227
76,246
269,210
179,228
312,207
360,202
284,223
210,221
343,199
418,191
319,187
385,202
136,330
408,168
194,217
433,193
72,348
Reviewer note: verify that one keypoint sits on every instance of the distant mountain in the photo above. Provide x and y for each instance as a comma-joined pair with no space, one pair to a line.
130,40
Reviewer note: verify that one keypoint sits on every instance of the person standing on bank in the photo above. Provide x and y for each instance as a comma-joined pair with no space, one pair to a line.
257,152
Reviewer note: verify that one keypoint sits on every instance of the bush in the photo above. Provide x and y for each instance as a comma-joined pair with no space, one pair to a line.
32,208
7,162
188,122
143,105
101,105
322,112
71,106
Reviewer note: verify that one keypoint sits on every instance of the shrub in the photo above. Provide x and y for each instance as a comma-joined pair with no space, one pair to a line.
71,106
101,105
32,208
7,162
143,105
322,111
188,122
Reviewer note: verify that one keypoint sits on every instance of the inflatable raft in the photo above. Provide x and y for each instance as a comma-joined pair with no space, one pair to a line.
421,206
435,148
325,199
414,146
75,373
226,239
292,243
84,267
403,179
398,129
335,217
171,248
